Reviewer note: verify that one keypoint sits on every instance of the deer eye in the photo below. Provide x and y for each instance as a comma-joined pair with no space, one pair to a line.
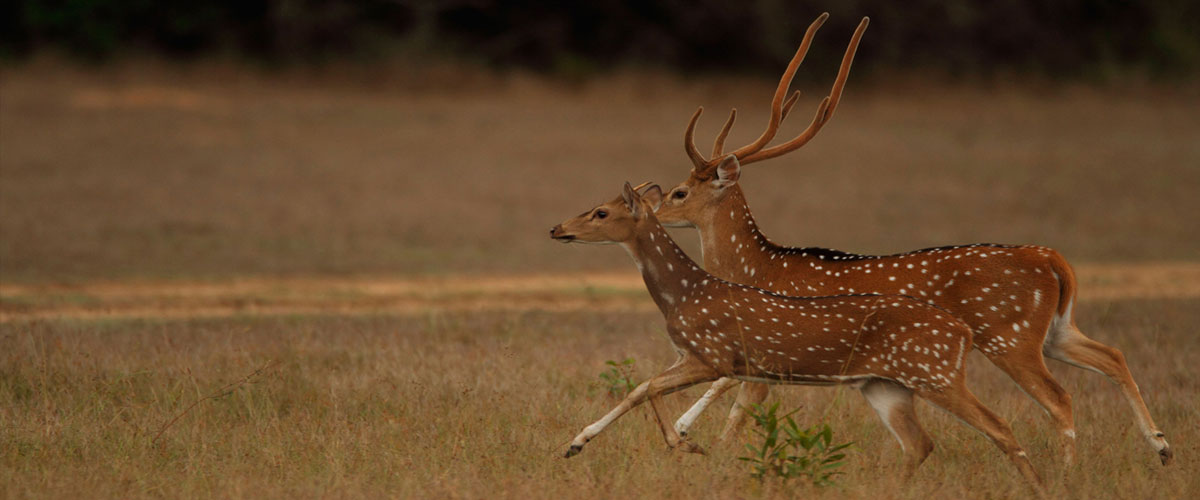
679,194
600,214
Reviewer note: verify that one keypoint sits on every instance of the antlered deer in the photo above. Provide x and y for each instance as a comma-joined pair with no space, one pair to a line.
890,346
1017,300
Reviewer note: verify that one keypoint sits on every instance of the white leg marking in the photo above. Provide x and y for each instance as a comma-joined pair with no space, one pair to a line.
885,398
688,418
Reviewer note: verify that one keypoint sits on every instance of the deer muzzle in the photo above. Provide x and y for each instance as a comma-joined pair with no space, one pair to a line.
559,234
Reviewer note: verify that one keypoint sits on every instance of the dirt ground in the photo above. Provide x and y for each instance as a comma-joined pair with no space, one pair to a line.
559,293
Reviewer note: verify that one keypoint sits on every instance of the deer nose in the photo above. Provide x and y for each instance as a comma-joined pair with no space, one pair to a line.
557,233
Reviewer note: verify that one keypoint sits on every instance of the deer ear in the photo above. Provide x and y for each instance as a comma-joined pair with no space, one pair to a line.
631,198
653,196
728,172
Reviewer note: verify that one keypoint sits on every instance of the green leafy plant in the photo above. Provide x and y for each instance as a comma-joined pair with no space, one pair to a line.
618,378
787,451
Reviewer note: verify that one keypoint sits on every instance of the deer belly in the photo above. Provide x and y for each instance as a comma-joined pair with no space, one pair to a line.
801,379
796,366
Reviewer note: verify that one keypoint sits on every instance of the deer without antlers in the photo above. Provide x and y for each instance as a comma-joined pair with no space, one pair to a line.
1017,300
892,347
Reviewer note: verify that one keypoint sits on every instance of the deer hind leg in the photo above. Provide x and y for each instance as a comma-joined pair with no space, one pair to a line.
1066,343
1028,369
894,405
688,418
958,401
750,394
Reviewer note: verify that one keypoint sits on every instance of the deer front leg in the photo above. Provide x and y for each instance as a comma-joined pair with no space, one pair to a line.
634,398
718,388
751,394
685,374
668,381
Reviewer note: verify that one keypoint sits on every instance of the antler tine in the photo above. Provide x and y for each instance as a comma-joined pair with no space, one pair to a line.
818,121
784,82
824,112
689,143
642,185
787,105
844,71
719,143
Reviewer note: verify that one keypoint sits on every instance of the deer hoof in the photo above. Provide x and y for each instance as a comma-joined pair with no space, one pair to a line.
691,448
573,450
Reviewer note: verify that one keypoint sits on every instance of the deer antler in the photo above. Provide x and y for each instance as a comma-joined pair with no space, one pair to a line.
780,109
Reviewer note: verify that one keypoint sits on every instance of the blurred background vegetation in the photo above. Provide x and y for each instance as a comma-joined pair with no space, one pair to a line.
1071,39
219,138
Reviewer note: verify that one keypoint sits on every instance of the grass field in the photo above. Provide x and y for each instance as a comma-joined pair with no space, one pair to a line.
483,404
217,282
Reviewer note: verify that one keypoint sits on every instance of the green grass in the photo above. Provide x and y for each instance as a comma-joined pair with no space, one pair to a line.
453,405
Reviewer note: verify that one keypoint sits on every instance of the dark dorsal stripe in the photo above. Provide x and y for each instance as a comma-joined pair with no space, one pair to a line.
838,255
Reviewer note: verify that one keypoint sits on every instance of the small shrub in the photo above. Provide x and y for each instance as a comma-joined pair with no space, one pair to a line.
787,451
618,378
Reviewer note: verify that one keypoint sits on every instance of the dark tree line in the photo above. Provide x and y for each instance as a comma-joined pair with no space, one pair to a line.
1069,38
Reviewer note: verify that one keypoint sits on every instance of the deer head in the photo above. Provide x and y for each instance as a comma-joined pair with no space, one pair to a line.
616,221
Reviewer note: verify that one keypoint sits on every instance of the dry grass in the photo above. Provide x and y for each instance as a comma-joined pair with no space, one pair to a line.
218,172
482,405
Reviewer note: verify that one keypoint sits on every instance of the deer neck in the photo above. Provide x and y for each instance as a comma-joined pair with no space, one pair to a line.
731,243
669,274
